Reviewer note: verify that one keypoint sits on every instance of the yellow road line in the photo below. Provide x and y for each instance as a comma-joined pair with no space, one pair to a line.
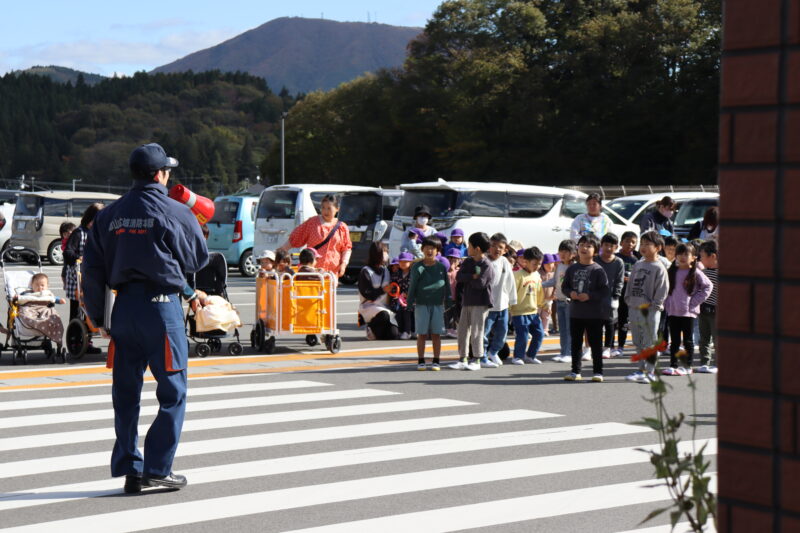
148,378
199,363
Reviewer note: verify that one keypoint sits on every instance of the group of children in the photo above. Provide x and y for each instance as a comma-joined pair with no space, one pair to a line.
600,288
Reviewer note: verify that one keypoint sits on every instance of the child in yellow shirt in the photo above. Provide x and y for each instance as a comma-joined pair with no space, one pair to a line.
525,313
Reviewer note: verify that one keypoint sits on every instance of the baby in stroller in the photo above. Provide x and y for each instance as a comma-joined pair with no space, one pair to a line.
33,321
218,319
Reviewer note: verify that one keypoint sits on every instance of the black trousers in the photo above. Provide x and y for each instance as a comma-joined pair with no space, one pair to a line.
382,328
74,309
622,324
681,326
609,327
593,327
405,320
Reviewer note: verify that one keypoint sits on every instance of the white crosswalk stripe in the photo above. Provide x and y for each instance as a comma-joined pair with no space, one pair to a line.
413,444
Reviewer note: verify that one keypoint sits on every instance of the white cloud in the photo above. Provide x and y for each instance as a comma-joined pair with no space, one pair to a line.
107,56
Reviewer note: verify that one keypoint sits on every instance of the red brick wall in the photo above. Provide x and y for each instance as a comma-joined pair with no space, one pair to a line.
759,302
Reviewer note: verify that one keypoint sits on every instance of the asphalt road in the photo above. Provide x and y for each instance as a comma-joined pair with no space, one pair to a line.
343,447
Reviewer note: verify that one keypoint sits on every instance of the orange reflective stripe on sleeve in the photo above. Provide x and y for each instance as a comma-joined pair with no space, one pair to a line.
110,358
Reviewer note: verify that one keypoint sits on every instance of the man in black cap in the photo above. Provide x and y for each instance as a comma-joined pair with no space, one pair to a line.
142,245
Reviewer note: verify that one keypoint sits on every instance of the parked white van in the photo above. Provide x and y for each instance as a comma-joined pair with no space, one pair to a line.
634,207
534,215
281,208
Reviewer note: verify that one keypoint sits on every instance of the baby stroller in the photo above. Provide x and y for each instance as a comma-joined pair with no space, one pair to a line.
213,280
81,330
19,337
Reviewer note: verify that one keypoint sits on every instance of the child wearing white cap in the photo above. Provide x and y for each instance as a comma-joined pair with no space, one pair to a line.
266,263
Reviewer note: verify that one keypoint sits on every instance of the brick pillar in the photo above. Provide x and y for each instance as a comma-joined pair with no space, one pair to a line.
759,301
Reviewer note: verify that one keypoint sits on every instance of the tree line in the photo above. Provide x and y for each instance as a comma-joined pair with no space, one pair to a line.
219,125
537,91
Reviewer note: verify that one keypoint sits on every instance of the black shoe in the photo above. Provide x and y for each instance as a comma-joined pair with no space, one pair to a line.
172,481
133,484
93,350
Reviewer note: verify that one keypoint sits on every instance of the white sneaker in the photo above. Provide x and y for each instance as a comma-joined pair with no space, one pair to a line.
488,364
516,361
635,376
473,366
496,360
458,365
707,369
616,352
532,361
587,355
563,358
453,334
405,336
607,353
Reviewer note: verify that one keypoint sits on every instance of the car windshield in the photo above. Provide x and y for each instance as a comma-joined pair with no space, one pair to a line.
28,206
360,209
439,201
691,212
277,204
626,208
225,212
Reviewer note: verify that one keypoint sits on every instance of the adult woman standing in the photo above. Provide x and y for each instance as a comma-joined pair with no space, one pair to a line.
73,252
329,236
374,285
660,220
593,221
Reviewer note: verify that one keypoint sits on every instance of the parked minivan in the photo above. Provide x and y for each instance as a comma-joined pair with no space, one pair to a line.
231,230
39,214
636,206
369,215
534,215
281,208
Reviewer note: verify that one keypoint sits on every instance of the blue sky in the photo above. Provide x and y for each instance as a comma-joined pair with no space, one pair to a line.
111,36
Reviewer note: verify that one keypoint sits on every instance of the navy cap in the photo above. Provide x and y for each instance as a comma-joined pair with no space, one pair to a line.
149,158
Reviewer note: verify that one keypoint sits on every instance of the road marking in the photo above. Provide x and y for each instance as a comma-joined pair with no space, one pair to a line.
302,463
494,513
96,435
194,407
241,360
63,401
227,444
439,520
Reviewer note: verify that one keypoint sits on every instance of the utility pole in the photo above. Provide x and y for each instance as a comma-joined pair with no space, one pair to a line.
73,184
283,149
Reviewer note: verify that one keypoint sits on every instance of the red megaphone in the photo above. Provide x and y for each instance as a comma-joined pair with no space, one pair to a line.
202,207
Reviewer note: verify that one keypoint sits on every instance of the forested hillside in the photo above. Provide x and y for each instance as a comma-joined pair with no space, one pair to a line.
219,126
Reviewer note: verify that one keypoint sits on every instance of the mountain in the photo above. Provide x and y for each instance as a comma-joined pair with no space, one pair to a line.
304,55
62,74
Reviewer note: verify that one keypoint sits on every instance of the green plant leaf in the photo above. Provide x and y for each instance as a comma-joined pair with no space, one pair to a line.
654,514
674,516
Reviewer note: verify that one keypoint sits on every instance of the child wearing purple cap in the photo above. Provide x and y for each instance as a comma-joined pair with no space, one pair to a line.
452,312
547,272
403,313
456,243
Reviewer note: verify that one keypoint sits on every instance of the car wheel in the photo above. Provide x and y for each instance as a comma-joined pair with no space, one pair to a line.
247,264
54,253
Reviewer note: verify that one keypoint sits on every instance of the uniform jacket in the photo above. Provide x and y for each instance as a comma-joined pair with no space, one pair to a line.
142,236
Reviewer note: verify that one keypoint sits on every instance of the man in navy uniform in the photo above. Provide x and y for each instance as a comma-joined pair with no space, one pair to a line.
142,245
